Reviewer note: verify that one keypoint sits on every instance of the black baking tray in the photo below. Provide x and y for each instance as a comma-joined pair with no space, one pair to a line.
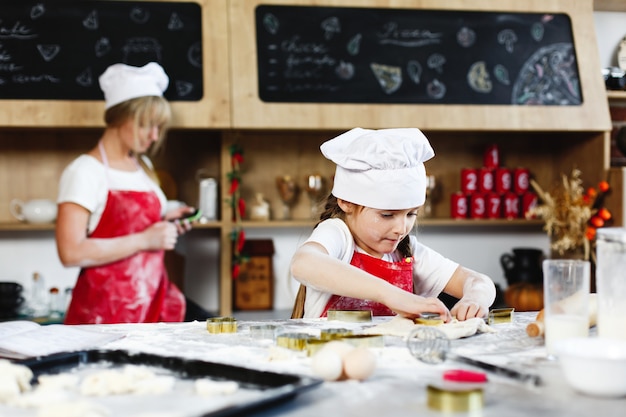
275,387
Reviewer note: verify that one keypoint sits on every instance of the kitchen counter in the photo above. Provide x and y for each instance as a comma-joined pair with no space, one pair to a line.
397,387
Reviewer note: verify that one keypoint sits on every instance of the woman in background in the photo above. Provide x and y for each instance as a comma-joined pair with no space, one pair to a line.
111,211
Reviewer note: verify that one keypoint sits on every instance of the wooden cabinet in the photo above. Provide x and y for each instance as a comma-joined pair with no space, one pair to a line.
38,138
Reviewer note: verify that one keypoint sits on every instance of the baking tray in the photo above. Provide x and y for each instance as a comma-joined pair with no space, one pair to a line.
270,388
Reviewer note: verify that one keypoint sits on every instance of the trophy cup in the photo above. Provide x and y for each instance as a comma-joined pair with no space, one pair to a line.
314,186
288,192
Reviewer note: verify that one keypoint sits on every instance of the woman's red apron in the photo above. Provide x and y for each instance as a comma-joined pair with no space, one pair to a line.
399,274
132,290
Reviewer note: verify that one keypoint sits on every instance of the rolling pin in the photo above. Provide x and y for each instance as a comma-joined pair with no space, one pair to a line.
537,328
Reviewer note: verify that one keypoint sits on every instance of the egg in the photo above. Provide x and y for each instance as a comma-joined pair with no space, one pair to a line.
341,348
327,364
359,363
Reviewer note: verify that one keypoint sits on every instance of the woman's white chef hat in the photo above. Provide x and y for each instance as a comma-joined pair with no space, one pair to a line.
121,82
382,169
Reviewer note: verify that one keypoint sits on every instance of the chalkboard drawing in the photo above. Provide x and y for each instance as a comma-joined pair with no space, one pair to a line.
194,55
389,77
549,77
466,37
345,70
502,74
537,31
37,11
436,61
139,15
271,23
414,69
508,38
102,47
183,88
91,21
436,89
331,27
478,77
48,52
354,44
140,50
175,23
85,78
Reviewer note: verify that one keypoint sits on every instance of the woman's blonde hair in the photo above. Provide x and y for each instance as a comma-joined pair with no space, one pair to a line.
144,111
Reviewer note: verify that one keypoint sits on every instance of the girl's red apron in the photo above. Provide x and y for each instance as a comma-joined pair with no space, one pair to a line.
399,274
132,290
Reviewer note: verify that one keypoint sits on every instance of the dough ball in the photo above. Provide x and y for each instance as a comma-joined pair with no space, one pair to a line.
327,364
359,363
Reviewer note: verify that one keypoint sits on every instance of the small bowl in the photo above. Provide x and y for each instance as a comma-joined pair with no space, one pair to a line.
594,366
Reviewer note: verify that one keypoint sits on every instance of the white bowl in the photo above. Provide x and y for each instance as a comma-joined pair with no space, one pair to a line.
595,366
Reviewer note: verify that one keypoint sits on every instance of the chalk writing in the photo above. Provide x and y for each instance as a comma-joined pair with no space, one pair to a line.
65,45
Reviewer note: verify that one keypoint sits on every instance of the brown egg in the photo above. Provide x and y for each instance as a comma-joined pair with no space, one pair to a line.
359,363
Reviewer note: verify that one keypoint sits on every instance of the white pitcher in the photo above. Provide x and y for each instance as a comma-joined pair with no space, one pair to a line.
34,211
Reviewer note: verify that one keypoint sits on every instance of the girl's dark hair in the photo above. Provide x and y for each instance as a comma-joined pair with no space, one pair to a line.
332,211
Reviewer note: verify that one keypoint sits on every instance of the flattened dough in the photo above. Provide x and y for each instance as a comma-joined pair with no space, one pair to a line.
400,326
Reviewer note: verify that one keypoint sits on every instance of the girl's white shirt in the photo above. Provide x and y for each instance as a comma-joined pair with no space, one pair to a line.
86,182
431,270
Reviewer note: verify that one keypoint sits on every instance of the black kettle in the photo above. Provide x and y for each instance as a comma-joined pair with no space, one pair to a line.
523,265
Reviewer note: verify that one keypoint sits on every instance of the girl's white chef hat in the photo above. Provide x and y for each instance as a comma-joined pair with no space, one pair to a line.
121,82
382,169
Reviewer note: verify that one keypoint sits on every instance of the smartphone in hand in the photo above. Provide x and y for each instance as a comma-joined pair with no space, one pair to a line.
191,217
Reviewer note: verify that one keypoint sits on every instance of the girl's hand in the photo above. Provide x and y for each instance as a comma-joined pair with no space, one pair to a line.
412,306
467,309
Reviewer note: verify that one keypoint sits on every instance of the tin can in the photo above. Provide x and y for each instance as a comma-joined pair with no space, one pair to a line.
510,205
458,205
469,180
529,201
485,180
502,180
491,157
478,206
207,201
521,180
494,206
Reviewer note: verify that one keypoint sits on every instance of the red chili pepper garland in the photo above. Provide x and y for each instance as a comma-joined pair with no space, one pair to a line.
238,208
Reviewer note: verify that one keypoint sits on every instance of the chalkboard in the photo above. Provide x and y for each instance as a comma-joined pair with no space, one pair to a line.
363,55
58,49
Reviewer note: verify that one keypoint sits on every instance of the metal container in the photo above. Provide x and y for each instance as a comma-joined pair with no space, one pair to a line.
207,200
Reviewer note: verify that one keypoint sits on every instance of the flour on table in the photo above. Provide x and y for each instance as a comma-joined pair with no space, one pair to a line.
208,388
14,380
73,409
401,326
132,379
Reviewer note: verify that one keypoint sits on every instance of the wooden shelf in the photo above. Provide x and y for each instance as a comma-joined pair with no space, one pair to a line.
616,95
25,227
609,5
425,222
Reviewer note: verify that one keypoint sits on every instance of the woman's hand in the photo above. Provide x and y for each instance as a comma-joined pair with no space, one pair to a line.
161,236
177,217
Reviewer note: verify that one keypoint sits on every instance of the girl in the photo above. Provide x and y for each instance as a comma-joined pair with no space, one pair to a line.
111,217
360,256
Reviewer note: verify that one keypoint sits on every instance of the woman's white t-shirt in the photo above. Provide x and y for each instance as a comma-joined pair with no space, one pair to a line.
431,270
86,182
